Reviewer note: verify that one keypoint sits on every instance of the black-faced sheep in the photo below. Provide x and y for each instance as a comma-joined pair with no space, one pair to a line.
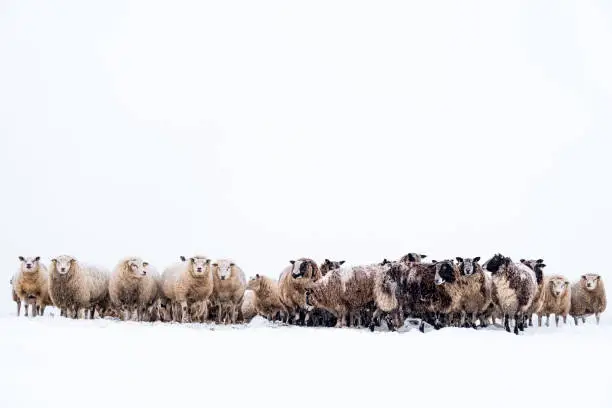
228,289
31,285
588,297
330,266
514,289
537,266
556,299
187,283
413,257
76,287
292,284
133,288
476,288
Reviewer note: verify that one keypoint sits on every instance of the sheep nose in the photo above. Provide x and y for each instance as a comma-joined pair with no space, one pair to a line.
63,269
199,269
28,266
144,272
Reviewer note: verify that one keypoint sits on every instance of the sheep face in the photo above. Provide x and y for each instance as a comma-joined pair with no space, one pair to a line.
311,301
254,283
558,286
467,266
537,266
223,269
414,257
590,280
29,264
137,267
444,272
497,262
301,268
199,265
63,264
330,266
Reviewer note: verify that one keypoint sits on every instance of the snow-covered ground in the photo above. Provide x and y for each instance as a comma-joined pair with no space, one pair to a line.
53,361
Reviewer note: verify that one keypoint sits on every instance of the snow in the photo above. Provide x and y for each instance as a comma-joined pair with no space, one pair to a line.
53,361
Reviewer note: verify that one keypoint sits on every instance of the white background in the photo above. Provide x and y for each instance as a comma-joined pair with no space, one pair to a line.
267,131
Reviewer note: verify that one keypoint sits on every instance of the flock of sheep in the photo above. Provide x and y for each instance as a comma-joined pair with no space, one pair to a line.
459,292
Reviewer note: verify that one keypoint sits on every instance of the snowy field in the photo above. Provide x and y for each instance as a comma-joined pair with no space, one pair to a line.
53,361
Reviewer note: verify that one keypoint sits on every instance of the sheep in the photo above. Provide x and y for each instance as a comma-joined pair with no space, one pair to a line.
343,291
228,289
430,291
292,284
476,287
514,289
15,297
31,285
330,266
133,288
588,297
186,283
266,299
412,257
556,298
386,293
247,308
75,287
536,265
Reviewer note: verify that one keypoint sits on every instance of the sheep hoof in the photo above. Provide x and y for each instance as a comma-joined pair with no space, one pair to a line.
422,327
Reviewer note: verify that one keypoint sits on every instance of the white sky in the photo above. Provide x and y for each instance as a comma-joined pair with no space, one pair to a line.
266,131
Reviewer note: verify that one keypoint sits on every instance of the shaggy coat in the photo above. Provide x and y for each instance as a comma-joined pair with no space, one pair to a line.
267,297
344,291
292,284
75,287
31,285
588,297
476,291
431,291
514,289
556,299
537,266
247,308
228,289
133,288
187,283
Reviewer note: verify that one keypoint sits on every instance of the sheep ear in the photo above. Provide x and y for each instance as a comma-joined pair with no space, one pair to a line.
208,261
232,264
54,260
459,259
22,259
540,261
542,265
567,283
145,264
183,259
215,264
598,277
583,277
423,256
257,275
192,259
476,259
434,261
292,262
341,262
37,258
327,261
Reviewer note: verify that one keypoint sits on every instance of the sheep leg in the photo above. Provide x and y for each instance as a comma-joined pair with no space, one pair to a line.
26,307
564,319
42,310
34,314
18,308
507,322
547,320
557,320
92,313
374,318
596,318
185,312
530,320
575,320
539,320
516,323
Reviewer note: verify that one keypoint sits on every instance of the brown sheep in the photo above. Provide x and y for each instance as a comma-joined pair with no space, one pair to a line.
31,285
514,289
343,292
293,282
133,288
556,298
266,300
76,287
186,283
588,297
228,289
476,290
